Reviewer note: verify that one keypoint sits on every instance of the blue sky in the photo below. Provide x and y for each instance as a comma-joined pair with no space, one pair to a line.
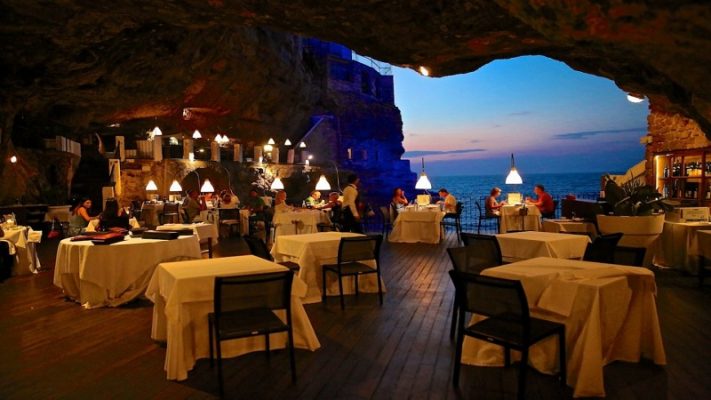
553,118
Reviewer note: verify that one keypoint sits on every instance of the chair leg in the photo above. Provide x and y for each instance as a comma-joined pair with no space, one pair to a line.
356,277
340,291
292,358
209,334
453,327
380,287
563,360
219,368
458,352
323,284
522,374
209,247
478,228
267,347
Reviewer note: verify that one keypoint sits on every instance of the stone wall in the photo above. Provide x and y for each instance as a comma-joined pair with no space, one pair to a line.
670,132
38,177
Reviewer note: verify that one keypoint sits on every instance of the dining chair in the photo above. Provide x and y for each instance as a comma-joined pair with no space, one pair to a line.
551,215
172,211
352,251
258,248
229,217
387,218
244,307
454,220
484,218
487,247
602,248
6,259
508,323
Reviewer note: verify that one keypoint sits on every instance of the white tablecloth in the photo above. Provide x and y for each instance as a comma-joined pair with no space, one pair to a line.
26,260
183,293
680,245
417,226
313,250
203,231
111,275
704,238
569,226
308,221
609,312
519,246
511,220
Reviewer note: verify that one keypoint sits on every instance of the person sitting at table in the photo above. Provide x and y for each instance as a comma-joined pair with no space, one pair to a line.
314,200
399,200
280,205
449,201
493,207
228,200
80,217
113,217
544,202
193,204
254,203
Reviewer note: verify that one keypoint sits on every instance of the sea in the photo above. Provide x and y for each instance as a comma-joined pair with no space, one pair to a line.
583,185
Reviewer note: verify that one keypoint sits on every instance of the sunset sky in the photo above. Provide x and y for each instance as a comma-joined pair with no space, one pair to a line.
553,118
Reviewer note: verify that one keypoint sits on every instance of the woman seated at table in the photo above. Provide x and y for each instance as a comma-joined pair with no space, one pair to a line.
80,217
314,200
544,202
228,200
280,205
399,200
493,207
193,204
113,217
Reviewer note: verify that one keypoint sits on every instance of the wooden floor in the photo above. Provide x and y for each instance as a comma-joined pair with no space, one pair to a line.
52,348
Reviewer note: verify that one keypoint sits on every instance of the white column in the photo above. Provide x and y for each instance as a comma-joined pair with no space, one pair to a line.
275,155
290,156
158,148
187,148
238,152
258,153
215,151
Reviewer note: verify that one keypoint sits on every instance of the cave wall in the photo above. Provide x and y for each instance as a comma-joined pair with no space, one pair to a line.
38,177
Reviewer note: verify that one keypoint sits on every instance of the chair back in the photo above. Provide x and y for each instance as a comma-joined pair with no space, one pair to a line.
171,208
229,213
486,248
478,207
491,297
258,248
359,248
458,208
253,292
602,249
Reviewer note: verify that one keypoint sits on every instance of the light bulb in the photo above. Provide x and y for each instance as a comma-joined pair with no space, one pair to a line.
13,159
424,71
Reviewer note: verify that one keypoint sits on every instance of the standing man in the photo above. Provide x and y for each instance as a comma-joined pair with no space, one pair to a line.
351,217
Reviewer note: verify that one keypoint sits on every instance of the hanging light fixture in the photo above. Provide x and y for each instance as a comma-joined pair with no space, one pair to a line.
322,183
513,177
207,187
157,132
151,186
271,141
218,138
197,135
423,183
175,187
277,184
302,145
287,142
13,159
424,71
635,98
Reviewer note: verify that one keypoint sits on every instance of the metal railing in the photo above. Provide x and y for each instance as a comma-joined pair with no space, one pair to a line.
381,67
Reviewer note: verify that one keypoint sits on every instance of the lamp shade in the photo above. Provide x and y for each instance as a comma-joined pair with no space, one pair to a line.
635,98
287,142
151,186
196,134
218,138
323,184
175,187
302,145
513,178
271,141
207,187
423,183
277,184
157,131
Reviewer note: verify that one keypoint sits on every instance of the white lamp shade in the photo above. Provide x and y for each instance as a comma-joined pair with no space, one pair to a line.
157,131
218,138
323,184
268,147
423,183
207,187
287,142
514,178
175,187
225,139
271,141
196,134
277,184
302,145
151,186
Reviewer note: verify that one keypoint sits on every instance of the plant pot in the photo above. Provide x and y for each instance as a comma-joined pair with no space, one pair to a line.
642,232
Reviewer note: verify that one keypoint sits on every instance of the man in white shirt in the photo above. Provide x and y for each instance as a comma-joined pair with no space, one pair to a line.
351,217
450,202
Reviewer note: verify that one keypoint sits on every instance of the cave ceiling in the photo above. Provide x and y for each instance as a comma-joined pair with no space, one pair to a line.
84,62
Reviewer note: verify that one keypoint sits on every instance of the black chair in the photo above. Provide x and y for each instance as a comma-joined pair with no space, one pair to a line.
483,217
244,307
455,220
258,248
386,215
633,256
172,211
551,215
6,260
602,248
230,218
509,323
479,253
351,252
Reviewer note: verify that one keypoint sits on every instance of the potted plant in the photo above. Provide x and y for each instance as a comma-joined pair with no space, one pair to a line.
637,212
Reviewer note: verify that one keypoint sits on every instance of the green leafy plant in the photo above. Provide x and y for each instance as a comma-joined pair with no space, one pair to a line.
633,198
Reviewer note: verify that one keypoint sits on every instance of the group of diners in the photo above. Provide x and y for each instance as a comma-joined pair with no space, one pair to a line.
543,201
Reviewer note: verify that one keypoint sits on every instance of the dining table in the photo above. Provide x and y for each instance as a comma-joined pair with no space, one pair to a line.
183,296
23,240
512,220
311,251
517,246
565,225
299,221
417,224
609,312
114,274
680,245
204,231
